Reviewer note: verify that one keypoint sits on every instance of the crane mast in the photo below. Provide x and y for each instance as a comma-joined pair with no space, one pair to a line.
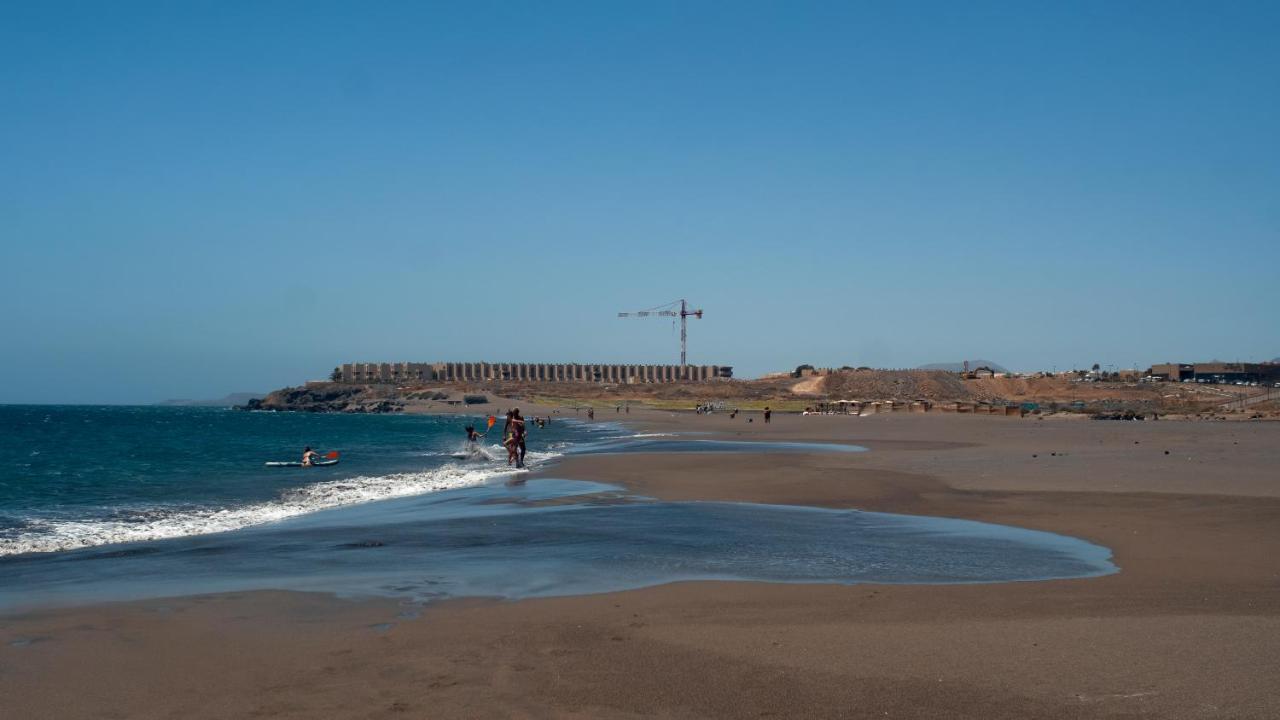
668,310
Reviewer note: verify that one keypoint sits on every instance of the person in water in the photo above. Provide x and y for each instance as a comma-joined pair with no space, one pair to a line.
518,436
508,437
473,440
308,457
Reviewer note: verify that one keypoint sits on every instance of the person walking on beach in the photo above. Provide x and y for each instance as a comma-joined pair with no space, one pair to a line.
591,413
767,413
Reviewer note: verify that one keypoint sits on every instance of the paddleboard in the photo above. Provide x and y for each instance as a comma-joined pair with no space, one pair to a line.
298,463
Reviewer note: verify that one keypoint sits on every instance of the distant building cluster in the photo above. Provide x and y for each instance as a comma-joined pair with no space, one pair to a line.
1217,372
449,372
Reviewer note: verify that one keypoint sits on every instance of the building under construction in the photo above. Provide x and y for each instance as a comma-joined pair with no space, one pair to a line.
459,372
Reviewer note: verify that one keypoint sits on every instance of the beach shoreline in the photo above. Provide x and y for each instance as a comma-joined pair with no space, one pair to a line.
1186,629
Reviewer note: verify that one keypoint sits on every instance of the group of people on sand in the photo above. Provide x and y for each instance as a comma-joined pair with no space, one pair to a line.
733,414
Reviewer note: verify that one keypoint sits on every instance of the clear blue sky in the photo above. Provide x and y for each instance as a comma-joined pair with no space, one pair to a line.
205,197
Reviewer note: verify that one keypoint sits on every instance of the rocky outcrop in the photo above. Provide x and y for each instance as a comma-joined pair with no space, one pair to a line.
330,398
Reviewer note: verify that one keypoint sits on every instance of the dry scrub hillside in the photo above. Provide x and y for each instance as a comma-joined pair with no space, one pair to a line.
782,393
943,386
1063,390
896,384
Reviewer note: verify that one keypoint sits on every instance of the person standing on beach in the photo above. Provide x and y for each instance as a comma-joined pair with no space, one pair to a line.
767,413
591,413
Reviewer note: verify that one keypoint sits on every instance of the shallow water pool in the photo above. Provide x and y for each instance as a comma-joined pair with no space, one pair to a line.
550,537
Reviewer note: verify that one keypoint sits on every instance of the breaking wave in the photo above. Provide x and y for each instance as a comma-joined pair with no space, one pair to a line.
44,535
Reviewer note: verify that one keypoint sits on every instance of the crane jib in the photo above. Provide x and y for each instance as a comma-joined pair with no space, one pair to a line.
683,314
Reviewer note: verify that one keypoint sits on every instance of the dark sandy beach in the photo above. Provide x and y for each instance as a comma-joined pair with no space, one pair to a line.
1190,627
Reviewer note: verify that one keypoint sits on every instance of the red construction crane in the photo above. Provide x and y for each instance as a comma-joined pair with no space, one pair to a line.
668,310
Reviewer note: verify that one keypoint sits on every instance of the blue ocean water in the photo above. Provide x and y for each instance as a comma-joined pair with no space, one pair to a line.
119,503
76,476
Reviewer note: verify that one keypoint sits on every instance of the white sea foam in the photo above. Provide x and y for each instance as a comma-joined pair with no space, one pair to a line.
58,535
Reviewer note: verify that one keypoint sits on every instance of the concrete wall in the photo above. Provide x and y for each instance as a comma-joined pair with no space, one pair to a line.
408,373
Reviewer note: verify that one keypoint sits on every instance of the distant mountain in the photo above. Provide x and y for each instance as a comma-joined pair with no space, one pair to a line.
233,399
959,366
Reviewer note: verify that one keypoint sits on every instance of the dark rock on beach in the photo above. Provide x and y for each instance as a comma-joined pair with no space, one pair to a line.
329,398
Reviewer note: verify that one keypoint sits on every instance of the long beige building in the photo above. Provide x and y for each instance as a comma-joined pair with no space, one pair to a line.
1217,372
371,373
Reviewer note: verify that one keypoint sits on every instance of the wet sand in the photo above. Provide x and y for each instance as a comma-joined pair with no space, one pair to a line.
1190,627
